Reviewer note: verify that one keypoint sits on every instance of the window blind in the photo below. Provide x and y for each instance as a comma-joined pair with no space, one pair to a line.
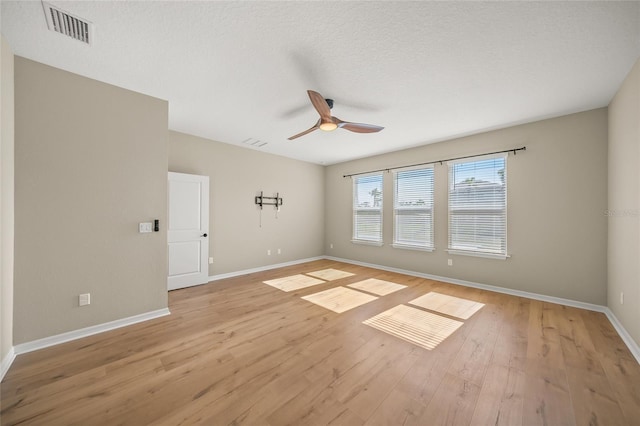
413,208
367,209
478,206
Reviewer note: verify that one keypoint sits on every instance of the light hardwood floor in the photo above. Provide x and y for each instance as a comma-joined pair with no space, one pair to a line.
241,352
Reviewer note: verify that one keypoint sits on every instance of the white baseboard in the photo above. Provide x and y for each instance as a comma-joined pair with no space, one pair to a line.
624,335
263,268
6,362
88,331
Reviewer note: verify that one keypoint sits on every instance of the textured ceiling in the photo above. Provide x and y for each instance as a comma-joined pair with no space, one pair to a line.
427,71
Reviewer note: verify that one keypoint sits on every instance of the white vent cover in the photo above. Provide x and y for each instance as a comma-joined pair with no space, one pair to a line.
65,23
254,142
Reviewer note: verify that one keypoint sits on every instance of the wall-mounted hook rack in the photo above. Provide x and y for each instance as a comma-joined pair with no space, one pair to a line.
260,200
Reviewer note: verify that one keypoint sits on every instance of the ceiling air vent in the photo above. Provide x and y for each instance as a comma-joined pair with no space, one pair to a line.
65,23
254,142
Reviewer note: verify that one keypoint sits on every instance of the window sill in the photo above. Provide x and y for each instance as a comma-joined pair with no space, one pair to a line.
410,247
479,254
367,243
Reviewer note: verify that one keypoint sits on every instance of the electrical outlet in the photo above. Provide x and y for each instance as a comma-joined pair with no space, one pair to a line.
279,251
450,262
621,298
144,227
331,245
268,252
210,260
84,299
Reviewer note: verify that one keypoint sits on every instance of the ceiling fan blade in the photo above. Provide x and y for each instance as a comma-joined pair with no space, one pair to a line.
357,127
320,105
315,127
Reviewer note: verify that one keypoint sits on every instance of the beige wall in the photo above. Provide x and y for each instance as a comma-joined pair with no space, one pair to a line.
237,242
91,162
624,203
557,195
6,198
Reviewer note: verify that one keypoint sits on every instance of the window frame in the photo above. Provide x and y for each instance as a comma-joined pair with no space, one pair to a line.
429,243
355,237
478,252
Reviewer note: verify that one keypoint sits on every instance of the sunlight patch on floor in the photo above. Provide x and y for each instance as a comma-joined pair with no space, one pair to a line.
448,305
339,299
330,274
376,286
294,282
421,328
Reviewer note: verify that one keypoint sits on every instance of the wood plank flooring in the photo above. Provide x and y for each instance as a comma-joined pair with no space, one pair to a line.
238,351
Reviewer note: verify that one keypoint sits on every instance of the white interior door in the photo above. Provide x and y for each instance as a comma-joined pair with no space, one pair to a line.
188,229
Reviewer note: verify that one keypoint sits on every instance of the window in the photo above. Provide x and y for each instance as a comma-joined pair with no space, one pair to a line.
413,208
367,209
478,206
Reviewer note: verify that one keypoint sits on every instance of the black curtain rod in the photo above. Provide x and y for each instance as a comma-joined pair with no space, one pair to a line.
524,148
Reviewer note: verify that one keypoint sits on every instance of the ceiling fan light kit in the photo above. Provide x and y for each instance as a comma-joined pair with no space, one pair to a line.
328,123
329,126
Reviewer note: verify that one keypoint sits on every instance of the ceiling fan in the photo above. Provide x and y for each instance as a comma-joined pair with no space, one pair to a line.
328,123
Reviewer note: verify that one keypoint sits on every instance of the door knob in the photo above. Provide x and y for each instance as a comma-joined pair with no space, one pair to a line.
203,235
